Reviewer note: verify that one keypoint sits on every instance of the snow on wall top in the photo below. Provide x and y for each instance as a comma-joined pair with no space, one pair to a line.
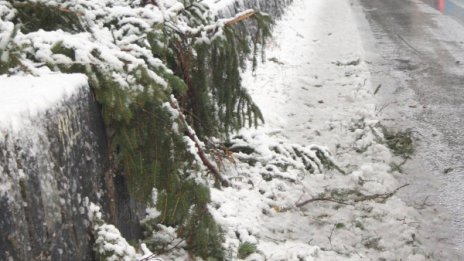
218,6
26,96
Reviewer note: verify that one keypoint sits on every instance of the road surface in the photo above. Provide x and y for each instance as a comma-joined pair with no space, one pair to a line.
416,52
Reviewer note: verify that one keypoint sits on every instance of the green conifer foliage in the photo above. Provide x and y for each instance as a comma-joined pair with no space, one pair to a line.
134,79
37,16
215,102
9,54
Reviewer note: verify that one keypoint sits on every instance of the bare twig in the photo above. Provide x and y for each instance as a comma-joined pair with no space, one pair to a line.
276,240
173,247
331,234
424,204
377,89
330,199
240,17
398,166
150,258
381,198
384,106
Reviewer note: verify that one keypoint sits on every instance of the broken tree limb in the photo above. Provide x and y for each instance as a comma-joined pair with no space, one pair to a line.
330,199
381,198
240,17
201,153
213,28
205,160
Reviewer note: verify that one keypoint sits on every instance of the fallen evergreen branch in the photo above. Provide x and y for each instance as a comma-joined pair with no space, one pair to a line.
276,156
245,249
401,143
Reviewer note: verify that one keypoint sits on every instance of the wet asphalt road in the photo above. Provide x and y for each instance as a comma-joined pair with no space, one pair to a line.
416,51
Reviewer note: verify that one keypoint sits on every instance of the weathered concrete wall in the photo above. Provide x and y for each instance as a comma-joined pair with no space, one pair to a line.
48,167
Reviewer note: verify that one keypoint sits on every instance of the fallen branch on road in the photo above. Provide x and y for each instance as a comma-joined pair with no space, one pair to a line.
330,199
380,197
349,198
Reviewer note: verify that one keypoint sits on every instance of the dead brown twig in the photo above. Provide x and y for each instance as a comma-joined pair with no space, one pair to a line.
380,198
240,17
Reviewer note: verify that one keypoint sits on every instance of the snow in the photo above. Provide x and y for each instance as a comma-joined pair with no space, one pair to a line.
112,245
121,48
24,97
152,212
315,88
218,6
109,243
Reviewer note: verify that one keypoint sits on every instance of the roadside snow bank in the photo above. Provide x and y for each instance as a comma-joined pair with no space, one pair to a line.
315,88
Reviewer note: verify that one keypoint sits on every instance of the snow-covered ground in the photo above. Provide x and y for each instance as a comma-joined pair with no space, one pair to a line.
315,88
